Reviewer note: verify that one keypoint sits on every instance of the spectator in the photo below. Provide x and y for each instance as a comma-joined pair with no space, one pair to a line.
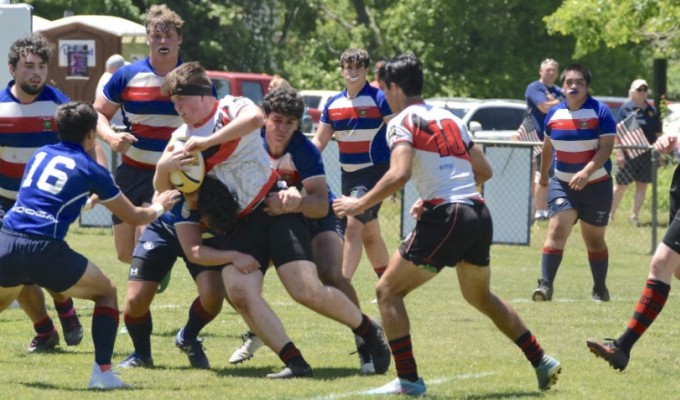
541,96
582,131
113,63
636,168
375,83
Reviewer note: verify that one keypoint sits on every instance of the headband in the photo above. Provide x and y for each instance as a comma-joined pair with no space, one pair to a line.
194,90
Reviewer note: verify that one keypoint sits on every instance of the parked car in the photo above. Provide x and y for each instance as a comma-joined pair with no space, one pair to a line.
251,85
614,103
489,119
315,101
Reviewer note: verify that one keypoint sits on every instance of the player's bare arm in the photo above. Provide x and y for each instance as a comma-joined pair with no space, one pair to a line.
604,151
480,165
189,236
312,204
248,119
125,210
119,142
395,178
323,135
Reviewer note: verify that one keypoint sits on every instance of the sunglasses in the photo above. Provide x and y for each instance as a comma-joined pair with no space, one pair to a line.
642,89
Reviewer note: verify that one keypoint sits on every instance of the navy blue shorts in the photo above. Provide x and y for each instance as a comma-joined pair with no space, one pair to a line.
592,203
31,259
356,184
156,253
281,239
448,233
328,223
136,184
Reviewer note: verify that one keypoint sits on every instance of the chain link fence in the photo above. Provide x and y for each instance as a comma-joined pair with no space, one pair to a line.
508,194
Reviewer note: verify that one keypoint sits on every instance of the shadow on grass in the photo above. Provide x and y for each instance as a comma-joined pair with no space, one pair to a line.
503,395
61,388
261,372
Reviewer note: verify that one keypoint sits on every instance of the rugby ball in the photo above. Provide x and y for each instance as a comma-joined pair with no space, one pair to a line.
189,179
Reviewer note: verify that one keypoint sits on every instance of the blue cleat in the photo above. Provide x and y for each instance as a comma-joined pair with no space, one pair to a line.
400,386
547,372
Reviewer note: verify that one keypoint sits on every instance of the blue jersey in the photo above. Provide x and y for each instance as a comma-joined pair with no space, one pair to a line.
23,129
537,93
57,182
359,127
575,137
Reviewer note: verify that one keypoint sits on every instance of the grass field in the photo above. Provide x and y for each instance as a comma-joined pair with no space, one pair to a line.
460,353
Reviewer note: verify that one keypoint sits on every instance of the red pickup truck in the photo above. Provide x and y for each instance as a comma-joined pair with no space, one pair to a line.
251,85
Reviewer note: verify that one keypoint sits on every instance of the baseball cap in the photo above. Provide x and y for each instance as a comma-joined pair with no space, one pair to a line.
638,83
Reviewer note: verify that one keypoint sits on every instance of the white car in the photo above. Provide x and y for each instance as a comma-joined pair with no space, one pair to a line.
671,123
489,119
315,100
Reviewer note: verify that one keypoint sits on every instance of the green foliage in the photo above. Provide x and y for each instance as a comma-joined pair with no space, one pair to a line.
468,48
611,23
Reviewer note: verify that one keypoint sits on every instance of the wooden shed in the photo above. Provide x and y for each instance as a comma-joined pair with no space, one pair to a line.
82,45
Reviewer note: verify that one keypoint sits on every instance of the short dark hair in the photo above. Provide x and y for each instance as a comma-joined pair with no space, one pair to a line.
75,120
587,76
217,205
284,101
34,44
354,56
404,70
189,79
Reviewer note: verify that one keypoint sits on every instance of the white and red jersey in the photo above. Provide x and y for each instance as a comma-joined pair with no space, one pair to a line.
441,168
242,164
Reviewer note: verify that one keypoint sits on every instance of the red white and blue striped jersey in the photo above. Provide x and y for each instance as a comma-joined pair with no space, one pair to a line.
23,129
441,168
58,179
150,117
575,137
359,127
242,164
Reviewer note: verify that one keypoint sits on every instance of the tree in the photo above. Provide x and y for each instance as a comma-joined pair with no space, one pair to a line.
650,26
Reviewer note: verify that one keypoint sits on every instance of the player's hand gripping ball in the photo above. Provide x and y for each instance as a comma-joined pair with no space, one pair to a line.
188,179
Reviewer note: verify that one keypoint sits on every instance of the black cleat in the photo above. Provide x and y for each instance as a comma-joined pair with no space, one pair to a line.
543,292
610,352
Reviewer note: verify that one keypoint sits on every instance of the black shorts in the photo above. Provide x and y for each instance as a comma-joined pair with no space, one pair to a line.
156,253
136,184
280,239
638,169
672,236
31,259
5,205
448,233
356,184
